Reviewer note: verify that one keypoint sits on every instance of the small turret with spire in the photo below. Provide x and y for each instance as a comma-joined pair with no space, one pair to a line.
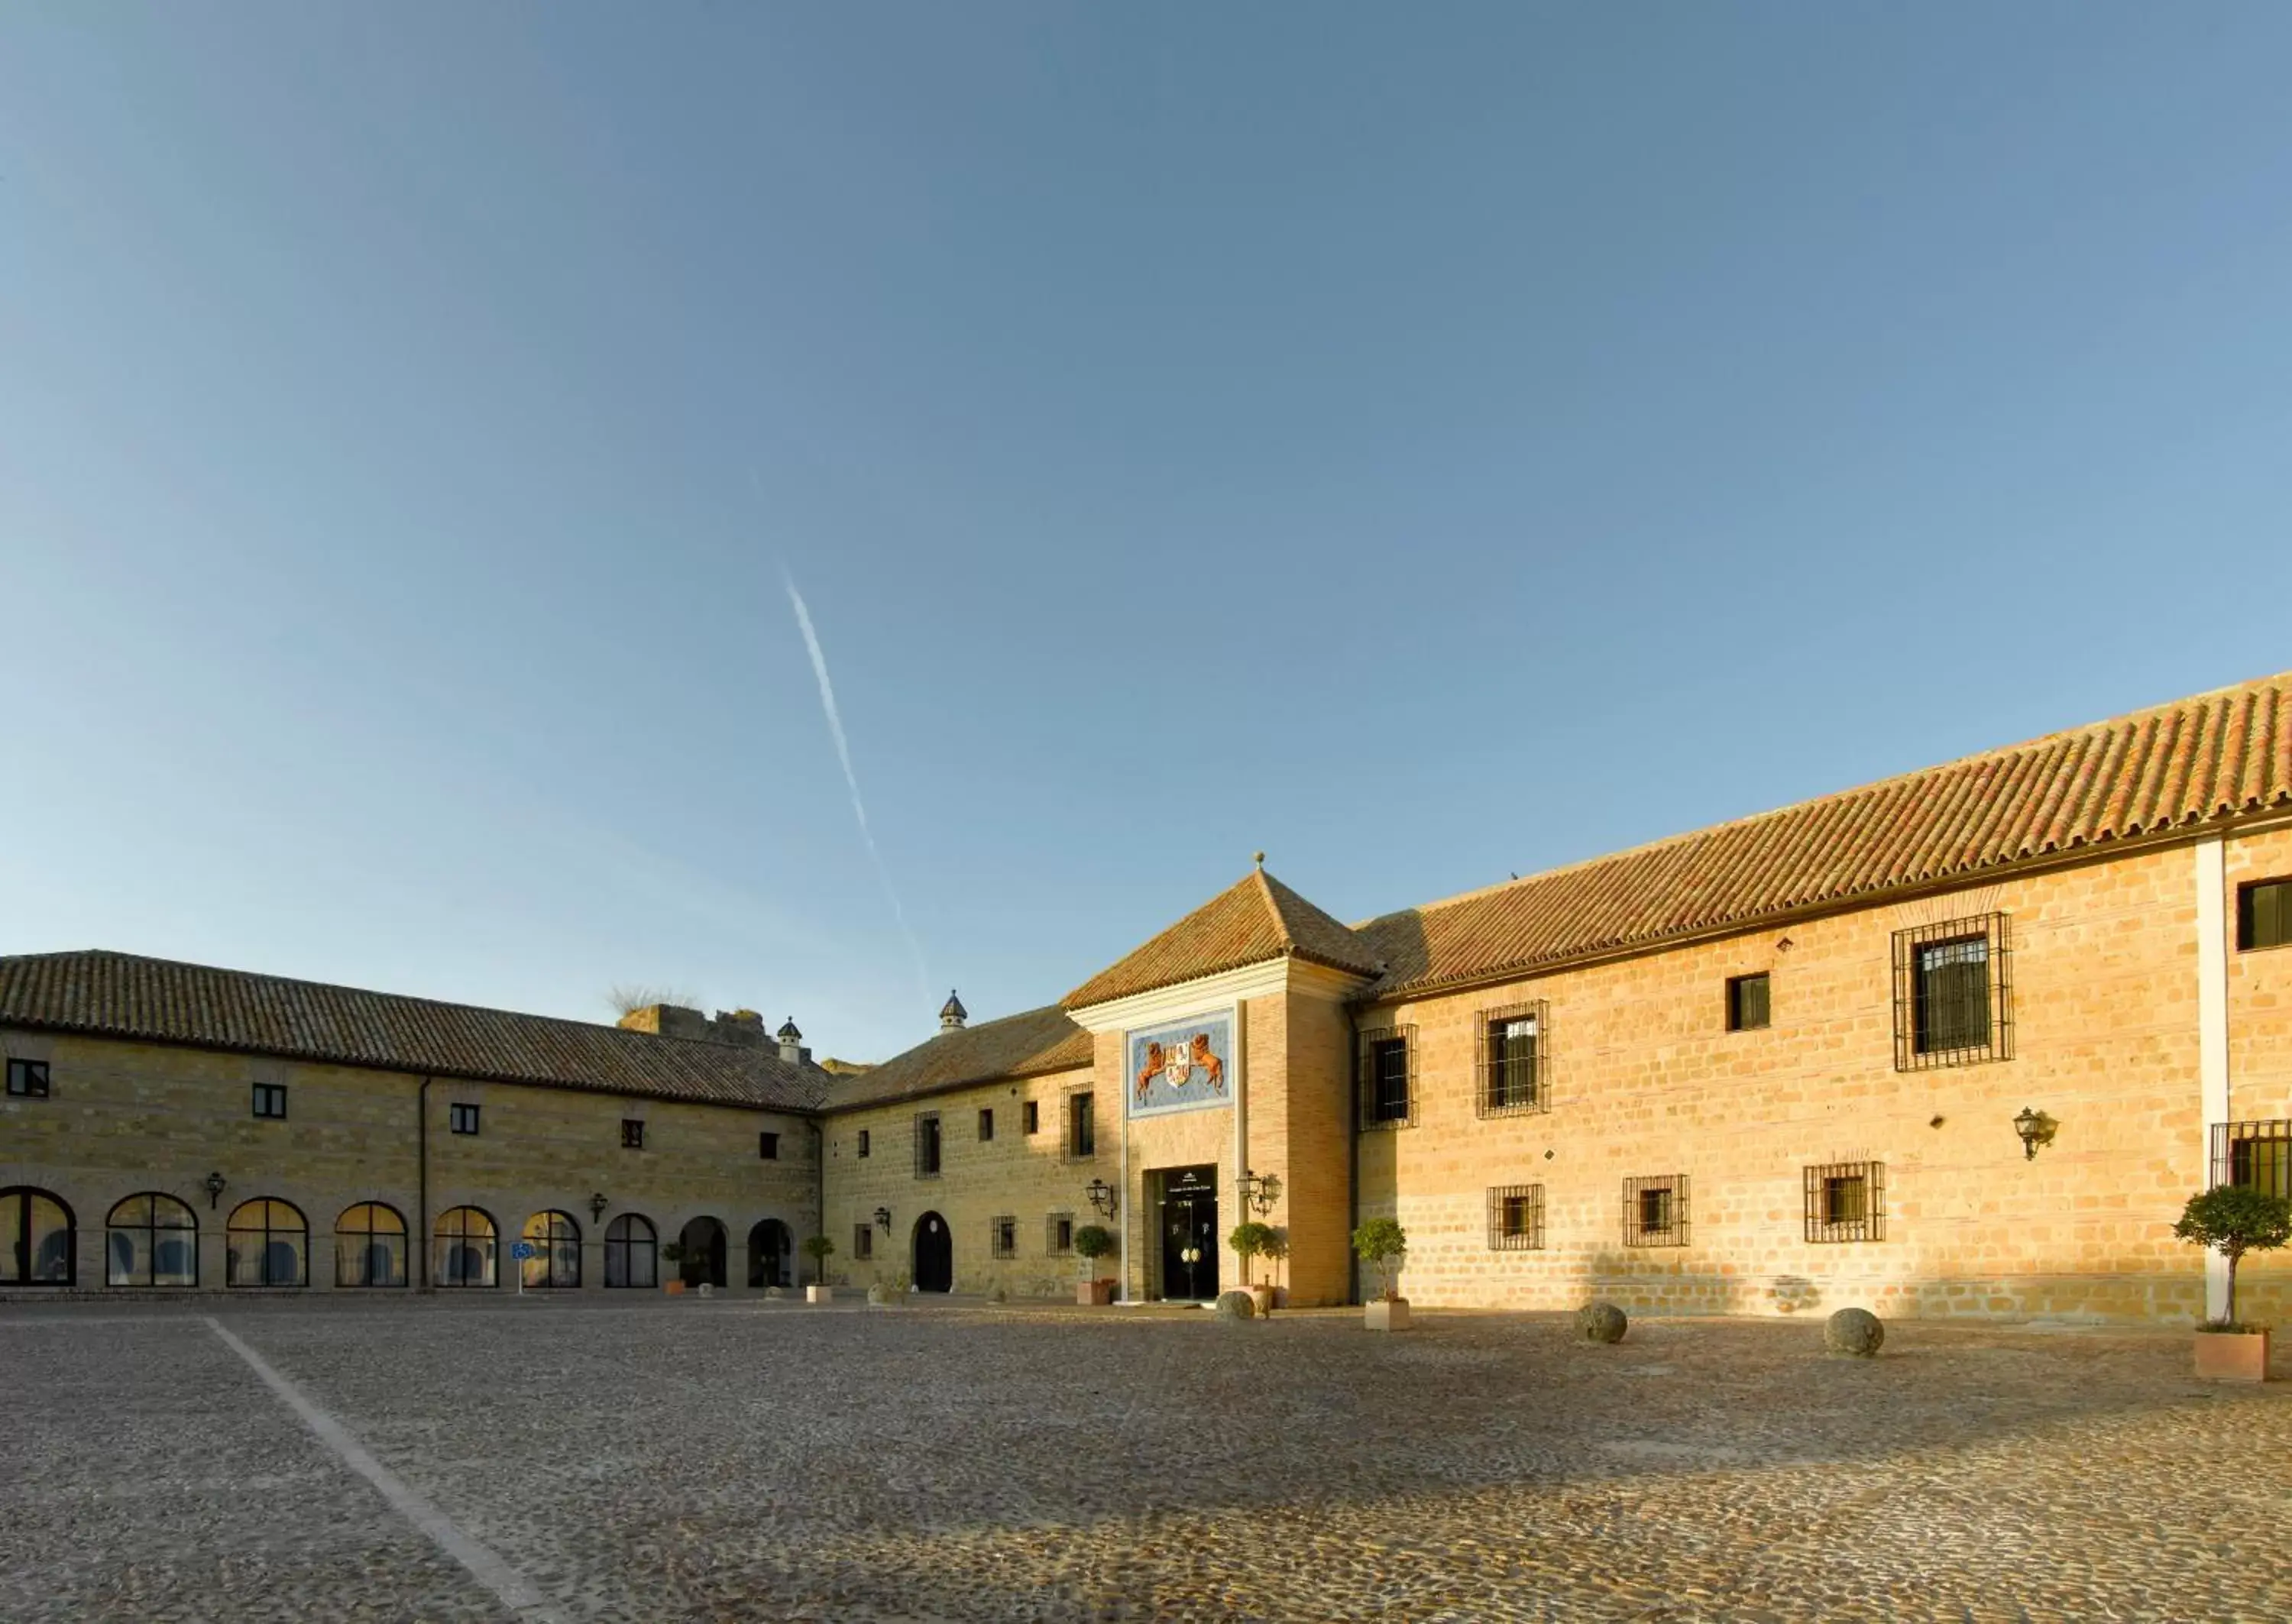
952,1014
791,1041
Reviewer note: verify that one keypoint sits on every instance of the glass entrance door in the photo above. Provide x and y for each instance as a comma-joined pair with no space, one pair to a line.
1189,1237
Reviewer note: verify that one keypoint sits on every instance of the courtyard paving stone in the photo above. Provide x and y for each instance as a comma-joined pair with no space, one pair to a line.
733,1459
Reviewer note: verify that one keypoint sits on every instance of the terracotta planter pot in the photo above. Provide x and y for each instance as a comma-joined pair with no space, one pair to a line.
819,1294
674,1288
1094,1293
1383,1316
2229,1356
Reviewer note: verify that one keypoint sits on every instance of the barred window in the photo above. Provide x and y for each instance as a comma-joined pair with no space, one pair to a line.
1078,1129
863,1241
29,1079
2264,914
1953,994
1386,1074
1846,1200
927,1145
1516,1217
1058,1234
1655,1211
1002,1237
1747,1002
632,1133
1514,1048
2257,1155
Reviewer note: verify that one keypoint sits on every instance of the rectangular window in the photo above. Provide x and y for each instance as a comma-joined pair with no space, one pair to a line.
1079,1142
986,1123
1747,1002
28,1079
2257,1155
1655,1211
632,1133
1953,994
1846,1202
1058,1236
2264,914
1003,1236
927,1145
271,1100
1514,1048
863,1241
767,1148
1030,1117
863,1141
463,1118
1385,1068
1516,1217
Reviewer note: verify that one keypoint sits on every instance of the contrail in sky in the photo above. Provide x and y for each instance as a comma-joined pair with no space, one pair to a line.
851,779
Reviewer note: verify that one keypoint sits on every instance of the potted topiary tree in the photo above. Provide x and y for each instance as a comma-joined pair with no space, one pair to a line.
1382,1244
1254,1240
2232,1220
672,1253
818,1249
1093,1242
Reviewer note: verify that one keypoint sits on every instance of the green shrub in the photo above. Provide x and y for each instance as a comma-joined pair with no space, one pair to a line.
819,1248
1248,1240
2234,1220
1093,1241
1382,1244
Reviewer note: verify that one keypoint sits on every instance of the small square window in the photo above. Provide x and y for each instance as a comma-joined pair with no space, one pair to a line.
863,1241
1655,1211
768,1146
986,1123
463,1118
863,1141
2264,914
1058,1234
271,1100
632,1133
1846,1202
1004,1235
1747,1002
1516,1217
1030,1117
2257,1155
28,1079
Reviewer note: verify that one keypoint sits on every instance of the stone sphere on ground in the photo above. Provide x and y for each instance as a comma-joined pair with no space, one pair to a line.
998,1295
1602,1322
1853,1330
875,1296
774,1291
1236,1306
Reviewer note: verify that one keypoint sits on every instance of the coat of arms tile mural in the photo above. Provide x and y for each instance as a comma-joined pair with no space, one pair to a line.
1181,1066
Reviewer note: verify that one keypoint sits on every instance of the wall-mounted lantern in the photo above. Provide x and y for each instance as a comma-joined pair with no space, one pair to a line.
1260,1191
214,1189
597,1205
2036,1129
1101,1197
884,1219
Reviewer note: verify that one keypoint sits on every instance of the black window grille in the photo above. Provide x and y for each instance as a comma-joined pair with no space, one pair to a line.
1748,1004
1846,1200
863,1141
1058,1234
2264,914
632,1133
1516,1217
1515,1052
768,1146
1030,1117
1385,1071
986,1123
2257,1155
927,1145
463,1118
1655,1211
1953,994
271,1100
863,1241
28,1079
1078,1133
1002,1237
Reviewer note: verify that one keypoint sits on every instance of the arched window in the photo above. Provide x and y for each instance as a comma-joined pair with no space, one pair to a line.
151,1240
463,1249
370,1246
268,1243
632,1253
556,1241
38,1242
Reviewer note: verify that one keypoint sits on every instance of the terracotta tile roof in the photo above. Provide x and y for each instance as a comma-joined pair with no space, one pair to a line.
121,995
1023,1045
1256,919
2213,756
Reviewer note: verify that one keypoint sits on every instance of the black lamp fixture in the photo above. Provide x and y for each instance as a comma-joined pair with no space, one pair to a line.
214,1189
597,1205
884,1219
2036,1129
1261,1191
1101,1197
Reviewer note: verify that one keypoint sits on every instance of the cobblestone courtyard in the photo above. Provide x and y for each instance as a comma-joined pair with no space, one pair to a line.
687,1459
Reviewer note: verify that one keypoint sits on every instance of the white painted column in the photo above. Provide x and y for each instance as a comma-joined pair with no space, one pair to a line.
2212,1034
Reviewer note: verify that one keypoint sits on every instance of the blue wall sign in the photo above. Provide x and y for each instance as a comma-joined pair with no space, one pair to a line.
1184,1066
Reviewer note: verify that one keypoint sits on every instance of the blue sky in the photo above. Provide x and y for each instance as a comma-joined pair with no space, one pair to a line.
1423,444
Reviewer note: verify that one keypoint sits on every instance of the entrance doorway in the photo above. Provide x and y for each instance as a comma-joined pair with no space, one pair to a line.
934,1254
704,1253
770,1248
1190,1236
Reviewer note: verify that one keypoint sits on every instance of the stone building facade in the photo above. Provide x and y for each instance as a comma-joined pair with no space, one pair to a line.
1959,1043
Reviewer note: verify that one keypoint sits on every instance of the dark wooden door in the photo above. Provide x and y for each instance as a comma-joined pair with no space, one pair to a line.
1190,1242
934,1254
